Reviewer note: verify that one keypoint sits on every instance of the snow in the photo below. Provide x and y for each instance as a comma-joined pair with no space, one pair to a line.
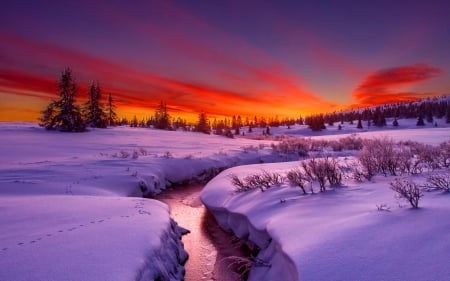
71,208
339,234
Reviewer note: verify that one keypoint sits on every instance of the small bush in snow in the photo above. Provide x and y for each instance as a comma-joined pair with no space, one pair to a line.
380,155
297,146
143,151
135,155
316,170
297,178
439,182
333,170
262,181
323,170
408,190
351,142
444,154
167,155
429,156
124,154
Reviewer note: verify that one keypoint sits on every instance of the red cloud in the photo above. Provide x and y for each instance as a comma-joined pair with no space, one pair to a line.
382,86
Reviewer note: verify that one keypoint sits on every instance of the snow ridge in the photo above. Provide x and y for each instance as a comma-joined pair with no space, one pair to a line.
172,266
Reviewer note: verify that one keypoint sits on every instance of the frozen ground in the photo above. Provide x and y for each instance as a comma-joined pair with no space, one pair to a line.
70,206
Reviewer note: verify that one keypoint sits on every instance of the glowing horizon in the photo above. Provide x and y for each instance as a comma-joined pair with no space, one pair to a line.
273,59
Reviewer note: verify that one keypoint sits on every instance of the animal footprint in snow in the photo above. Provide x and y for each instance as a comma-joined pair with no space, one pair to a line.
49,235
31,242
20,244
4,249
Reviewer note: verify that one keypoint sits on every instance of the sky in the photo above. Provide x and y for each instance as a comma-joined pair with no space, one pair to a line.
224,58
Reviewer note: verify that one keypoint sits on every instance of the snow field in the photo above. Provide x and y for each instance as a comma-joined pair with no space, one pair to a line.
335,235
69,208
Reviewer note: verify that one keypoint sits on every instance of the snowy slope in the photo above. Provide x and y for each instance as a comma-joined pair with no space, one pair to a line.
65,210
339,234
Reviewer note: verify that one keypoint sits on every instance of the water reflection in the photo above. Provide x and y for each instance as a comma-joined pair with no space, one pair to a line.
212,252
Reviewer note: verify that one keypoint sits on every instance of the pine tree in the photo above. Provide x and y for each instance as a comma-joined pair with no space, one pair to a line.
48,115
395,123
359,126
111,111
420,121
93,111
447,116
203,124
162,118
64,114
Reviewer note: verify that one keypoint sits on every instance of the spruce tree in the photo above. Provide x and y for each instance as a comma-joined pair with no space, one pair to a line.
162,117
420,121
111,111
359,126
47,116
203,124
64,114
93,111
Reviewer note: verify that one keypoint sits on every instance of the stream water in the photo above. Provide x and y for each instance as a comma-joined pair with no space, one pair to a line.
212,252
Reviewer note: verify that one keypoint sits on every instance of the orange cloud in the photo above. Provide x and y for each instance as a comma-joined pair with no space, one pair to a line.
383,85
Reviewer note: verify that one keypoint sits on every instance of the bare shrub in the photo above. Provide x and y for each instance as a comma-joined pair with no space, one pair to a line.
380,155
444,154
428,155
262,181
351,142
298,146
439,182
135,155
336,145
316,170
408,190
167,155
143,151
124,154
240,185
334,174
297,178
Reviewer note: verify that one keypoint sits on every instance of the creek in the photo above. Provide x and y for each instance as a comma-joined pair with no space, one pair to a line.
213,253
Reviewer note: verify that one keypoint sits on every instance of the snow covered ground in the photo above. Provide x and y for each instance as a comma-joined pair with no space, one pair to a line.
339,234
71,207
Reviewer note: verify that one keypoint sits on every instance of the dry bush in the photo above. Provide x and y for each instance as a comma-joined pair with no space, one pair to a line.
428,155
351,142
299,146
316,171
381,155
408,190
296,177
444,154
263,181
438,182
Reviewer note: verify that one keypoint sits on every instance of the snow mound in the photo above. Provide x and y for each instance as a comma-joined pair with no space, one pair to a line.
335,235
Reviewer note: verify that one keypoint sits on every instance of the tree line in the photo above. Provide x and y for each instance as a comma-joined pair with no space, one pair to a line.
65,114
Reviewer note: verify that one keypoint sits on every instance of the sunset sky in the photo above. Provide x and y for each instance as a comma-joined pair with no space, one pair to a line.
264,58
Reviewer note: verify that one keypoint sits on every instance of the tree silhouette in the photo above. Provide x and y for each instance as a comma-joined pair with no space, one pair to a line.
203,124
93,111
111,111
64,114
162,117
